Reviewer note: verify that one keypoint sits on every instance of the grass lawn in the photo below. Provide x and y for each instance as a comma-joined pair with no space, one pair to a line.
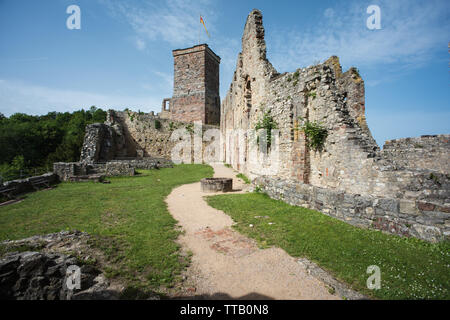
128,218
410,268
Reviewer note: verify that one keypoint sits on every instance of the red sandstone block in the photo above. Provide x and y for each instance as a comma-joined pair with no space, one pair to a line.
443,209
424,206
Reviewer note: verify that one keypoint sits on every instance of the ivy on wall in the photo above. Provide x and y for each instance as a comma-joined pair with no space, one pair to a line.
315,133
267,123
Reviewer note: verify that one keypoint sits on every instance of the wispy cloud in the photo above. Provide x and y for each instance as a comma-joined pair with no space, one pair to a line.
173,21
176,22
411,33
140,44
34,99
167,78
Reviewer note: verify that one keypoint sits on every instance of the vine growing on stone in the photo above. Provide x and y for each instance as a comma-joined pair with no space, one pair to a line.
268,124
315,133
190,128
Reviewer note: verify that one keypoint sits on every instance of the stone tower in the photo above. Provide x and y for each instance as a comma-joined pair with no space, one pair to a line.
195,86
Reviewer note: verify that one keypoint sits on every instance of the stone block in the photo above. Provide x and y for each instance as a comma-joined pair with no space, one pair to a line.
428,233
424,206
408,207
387,204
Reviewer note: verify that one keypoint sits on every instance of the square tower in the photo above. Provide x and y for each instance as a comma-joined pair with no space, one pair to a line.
196,85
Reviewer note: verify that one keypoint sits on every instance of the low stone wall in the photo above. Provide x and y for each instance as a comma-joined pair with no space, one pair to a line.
429,152
65,170
416,218
119,169
26,185
145,163
126,167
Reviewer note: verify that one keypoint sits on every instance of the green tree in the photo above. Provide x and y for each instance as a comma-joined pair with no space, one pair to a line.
42,140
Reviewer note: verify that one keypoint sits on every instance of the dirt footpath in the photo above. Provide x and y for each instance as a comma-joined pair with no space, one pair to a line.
228,265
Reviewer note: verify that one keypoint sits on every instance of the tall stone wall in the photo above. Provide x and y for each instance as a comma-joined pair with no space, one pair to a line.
319,93
100,143
350,161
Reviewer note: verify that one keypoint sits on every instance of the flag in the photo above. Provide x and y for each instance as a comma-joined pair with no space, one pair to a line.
203,22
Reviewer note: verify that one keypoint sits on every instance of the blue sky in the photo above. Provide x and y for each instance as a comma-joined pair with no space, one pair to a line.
121,56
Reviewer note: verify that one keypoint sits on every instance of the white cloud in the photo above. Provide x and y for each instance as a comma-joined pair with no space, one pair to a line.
410,35
177,22
140,44
174,21
33,99
329,13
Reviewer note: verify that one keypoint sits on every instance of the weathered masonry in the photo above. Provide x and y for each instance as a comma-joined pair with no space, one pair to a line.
403,189
131,140
195,86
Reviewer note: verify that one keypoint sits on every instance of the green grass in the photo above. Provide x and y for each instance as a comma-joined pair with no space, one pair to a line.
410,268
128,219
243,177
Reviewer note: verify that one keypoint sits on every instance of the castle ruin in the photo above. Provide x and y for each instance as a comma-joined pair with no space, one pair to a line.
403,189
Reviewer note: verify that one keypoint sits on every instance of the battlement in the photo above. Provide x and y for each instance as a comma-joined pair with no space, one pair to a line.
194,49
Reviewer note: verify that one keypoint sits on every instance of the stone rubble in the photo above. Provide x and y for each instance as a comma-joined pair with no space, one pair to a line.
41,274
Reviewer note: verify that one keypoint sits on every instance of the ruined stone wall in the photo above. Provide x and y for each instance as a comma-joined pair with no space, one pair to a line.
127,134
425,152
419,218
99,143
319,93
26,185
66,171
350,161
247,96
150,136
145,135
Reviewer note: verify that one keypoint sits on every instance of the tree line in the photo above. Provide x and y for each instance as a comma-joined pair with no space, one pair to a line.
31,144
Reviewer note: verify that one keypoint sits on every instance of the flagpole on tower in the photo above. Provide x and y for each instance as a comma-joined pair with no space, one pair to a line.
199,29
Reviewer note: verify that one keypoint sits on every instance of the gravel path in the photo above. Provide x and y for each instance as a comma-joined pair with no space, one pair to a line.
228,265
